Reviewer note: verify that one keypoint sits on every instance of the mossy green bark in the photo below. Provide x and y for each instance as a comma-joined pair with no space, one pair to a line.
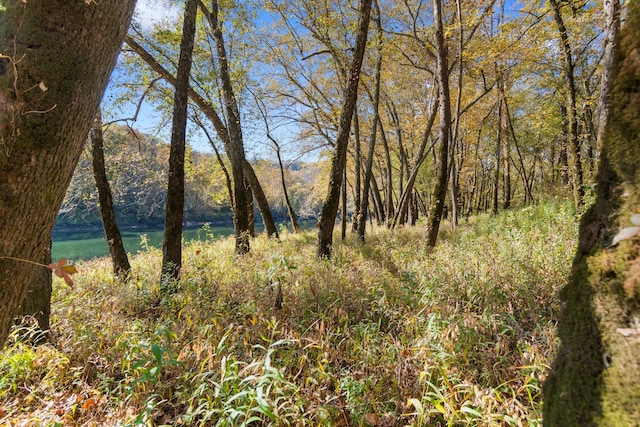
595,379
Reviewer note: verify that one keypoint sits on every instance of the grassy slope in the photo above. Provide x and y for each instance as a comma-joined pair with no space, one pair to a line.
390,333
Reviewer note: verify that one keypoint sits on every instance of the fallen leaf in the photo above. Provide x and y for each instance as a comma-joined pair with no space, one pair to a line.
89,403
372,419
379,420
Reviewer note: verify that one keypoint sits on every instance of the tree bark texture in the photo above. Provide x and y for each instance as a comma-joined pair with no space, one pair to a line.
506,152
261,199
357,163
236,145
563,157
403,204
571,93
221,129
595,377
499,137
56,58
330,206
174,210
440,187
292,214
37,303
119,258
453,173
388,180
612,26
368,171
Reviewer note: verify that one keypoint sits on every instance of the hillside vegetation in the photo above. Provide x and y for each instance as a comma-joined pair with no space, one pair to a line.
136,167
389,333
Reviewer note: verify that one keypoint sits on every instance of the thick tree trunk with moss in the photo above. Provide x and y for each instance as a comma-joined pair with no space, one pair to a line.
56,58
594,380
330,206
119,258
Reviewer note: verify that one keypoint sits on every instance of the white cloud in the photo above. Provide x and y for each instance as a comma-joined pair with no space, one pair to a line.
150,12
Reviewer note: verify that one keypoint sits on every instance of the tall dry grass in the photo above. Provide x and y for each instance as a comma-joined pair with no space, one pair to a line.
387,333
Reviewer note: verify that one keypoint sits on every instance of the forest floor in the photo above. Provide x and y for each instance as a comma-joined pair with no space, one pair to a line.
383,334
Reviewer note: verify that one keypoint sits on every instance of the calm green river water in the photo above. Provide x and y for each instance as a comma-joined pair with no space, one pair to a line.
91,244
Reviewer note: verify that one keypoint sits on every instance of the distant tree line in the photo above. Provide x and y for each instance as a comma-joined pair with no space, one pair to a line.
136,165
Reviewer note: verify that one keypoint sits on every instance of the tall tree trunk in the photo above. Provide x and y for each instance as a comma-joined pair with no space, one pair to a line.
343,192
563,158
290,210
393,114
474,184
453,182
357,161
330,206
527,186
377,201
612,25
119,258
37,302
261,199
364,208
442,71
403,203
388,189
506,152
573,140
56,60
499,137
250,210
590,134
222,131
174,211
594,380
227,176
236,145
